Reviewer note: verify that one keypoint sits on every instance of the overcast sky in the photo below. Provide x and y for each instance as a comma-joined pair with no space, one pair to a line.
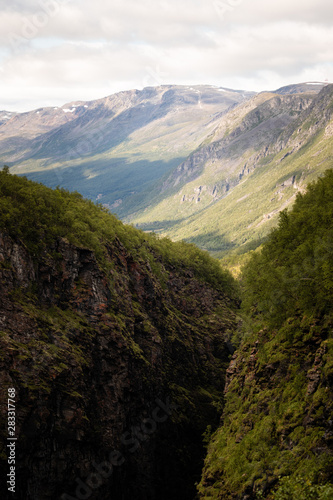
57,51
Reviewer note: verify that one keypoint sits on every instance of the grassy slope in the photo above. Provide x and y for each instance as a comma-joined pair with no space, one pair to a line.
250,209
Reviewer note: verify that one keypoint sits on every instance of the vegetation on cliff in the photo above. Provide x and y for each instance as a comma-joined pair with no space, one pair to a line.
276,436
99,324
294,271
38,216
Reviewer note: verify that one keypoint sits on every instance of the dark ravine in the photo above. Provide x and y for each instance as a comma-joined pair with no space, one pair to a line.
104,362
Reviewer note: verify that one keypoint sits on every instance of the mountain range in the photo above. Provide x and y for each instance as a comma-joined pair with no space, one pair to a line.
113,149
210,165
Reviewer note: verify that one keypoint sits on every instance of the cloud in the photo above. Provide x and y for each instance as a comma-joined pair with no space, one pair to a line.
69,49
254,12
153,20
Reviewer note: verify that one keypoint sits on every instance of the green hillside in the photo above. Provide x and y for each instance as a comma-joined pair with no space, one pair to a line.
38,216
275,440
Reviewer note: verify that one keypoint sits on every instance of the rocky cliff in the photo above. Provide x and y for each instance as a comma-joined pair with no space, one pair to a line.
117,361
276,437
241,140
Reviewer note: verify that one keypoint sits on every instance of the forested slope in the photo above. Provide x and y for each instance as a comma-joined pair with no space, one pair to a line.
276,434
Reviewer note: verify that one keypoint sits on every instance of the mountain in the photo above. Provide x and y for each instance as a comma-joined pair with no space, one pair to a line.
6,115
210,165
229,191
299,88
114,346
114,149
275,440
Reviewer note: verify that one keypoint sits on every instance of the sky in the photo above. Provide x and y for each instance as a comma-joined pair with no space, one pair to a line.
57,51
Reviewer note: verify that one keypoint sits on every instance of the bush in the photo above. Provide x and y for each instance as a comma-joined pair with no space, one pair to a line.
299,488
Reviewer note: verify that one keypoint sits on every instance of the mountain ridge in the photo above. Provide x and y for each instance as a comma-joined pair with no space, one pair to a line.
172,159
97,146
101,328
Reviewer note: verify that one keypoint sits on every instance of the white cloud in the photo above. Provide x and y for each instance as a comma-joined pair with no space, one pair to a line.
53,51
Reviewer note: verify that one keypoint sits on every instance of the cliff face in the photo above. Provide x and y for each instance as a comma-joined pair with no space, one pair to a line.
278,418
117,373
241,140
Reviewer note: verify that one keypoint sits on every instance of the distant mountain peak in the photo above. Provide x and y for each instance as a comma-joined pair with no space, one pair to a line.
302,88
